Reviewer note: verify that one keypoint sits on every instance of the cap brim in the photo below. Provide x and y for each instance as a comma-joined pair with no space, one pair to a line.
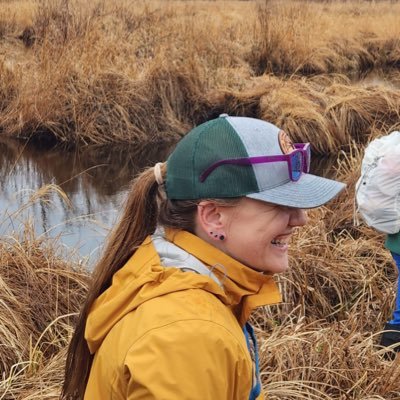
309,192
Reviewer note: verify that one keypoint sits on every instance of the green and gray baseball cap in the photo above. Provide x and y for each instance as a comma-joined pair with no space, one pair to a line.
239,156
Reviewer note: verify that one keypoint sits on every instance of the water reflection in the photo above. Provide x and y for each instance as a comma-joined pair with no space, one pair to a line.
95,181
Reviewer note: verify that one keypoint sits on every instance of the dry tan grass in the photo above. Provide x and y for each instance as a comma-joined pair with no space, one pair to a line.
101,72
39,298
310,37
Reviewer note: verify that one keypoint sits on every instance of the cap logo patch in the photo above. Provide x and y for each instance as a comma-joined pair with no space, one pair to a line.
285,143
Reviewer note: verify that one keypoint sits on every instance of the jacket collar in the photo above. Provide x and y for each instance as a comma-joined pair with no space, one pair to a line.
245,288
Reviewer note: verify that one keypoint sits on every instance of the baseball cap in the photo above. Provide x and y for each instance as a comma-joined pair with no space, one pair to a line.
231,138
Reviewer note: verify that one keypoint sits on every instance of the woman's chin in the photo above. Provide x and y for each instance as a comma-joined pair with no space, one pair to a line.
273,268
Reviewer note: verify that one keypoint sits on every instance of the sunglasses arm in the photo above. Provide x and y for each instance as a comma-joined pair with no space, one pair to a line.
242,161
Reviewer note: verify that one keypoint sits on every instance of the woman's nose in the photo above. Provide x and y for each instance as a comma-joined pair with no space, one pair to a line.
298,217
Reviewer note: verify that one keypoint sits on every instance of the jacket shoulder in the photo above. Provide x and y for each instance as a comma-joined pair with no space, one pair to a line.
185,305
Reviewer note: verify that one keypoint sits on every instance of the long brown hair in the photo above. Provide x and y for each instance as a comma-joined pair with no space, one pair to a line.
146,206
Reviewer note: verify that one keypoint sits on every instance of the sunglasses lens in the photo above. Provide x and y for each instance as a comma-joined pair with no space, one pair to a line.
296,162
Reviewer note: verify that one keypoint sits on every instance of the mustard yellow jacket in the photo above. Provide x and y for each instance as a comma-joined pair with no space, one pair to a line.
171,324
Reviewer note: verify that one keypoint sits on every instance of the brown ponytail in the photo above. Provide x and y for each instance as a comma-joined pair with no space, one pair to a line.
146,207
138,220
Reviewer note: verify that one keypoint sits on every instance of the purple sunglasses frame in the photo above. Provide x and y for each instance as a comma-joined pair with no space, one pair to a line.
303,148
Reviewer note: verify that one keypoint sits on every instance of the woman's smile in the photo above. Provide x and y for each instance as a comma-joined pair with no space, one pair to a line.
282,241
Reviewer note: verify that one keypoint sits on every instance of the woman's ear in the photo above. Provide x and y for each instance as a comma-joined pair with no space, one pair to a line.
209,221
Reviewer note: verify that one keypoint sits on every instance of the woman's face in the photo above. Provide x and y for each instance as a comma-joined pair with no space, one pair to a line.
257,234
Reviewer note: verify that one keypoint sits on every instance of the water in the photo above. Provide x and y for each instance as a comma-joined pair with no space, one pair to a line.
94,183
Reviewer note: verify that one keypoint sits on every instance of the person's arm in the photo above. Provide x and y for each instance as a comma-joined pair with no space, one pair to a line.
391,332
393,244
193,360
396,312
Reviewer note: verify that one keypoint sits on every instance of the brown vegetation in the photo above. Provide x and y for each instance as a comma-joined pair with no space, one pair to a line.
39,297
84,72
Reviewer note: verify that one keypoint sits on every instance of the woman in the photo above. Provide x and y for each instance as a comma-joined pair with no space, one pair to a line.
166,316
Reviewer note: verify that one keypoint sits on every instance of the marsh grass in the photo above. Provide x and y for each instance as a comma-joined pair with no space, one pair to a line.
311,38
103,72
40,296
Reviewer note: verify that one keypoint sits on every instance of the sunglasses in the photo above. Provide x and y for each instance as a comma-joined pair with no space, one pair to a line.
298,161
